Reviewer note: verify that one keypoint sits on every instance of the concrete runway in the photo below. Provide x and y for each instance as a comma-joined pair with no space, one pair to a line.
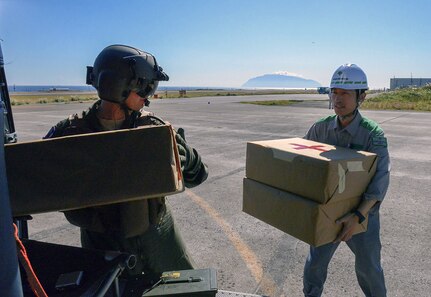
249,255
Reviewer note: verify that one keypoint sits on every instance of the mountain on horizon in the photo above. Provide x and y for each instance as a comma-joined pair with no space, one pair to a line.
276,80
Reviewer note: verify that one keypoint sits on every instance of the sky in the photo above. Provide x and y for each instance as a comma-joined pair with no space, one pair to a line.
218,43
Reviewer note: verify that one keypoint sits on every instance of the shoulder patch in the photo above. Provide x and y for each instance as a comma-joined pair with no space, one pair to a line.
326,119
379,141
371,126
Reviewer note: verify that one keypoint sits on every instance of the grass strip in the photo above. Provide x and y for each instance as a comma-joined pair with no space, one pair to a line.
273,102
50,98
416,99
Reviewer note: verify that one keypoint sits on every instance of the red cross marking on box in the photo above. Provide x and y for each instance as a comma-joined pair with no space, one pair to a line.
313,147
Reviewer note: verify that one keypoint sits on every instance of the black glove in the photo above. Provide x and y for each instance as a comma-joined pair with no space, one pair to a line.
183,148
194,170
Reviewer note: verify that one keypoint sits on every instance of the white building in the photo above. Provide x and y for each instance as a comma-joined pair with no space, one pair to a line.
408,82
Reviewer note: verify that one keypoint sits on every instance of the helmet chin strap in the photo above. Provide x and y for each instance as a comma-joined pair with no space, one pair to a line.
147,102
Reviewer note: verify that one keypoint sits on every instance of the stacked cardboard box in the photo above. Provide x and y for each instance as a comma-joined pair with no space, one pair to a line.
302,187
95,169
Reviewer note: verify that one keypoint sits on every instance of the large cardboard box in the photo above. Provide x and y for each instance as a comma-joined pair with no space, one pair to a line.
92,169
304,219
317,171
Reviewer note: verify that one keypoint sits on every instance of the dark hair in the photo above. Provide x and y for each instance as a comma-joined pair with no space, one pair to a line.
360,92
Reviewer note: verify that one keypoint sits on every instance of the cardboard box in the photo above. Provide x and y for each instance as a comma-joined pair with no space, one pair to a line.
92,169
317,171
302,218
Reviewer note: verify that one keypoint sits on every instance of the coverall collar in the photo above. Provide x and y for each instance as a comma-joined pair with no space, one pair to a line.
352,128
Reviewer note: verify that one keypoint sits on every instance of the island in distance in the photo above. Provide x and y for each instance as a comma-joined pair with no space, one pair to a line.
280,80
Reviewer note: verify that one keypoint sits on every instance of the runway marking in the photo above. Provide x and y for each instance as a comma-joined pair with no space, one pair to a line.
253,264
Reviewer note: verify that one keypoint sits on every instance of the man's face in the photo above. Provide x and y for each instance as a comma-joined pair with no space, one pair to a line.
344,101
135,102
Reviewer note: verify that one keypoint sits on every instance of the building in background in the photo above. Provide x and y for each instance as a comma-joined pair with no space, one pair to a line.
399,83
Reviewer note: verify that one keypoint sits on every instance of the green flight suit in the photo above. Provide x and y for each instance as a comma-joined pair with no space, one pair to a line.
144,227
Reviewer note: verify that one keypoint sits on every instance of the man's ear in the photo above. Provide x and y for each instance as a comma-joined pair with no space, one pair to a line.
362,98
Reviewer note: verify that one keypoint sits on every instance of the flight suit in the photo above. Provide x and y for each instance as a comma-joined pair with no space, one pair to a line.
144,227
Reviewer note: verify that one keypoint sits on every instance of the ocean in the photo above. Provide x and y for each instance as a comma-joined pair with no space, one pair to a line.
46,88
86,88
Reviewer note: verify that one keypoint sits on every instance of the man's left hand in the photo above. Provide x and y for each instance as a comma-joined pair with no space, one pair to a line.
349,222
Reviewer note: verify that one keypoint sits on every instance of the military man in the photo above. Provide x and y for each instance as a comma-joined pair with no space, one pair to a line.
125,77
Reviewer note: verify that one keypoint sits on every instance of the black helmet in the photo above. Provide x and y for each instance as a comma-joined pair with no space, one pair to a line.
120,69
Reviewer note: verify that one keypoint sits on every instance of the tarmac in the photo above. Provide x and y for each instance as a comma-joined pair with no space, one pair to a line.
251,256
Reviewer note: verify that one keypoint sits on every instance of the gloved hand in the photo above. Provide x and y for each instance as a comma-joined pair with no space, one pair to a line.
194,170
183,148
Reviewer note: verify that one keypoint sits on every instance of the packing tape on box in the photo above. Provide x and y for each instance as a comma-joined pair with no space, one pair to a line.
341,178
355,166
352,166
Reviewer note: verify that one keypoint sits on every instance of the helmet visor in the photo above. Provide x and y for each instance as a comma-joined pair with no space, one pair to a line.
149,90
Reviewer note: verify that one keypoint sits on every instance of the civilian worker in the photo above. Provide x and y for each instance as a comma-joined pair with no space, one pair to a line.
348,128
125,77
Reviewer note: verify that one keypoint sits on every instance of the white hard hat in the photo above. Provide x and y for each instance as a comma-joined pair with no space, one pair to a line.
349,77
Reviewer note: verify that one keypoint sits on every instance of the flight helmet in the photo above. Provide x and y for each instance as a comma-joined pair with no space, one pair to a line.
120,69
